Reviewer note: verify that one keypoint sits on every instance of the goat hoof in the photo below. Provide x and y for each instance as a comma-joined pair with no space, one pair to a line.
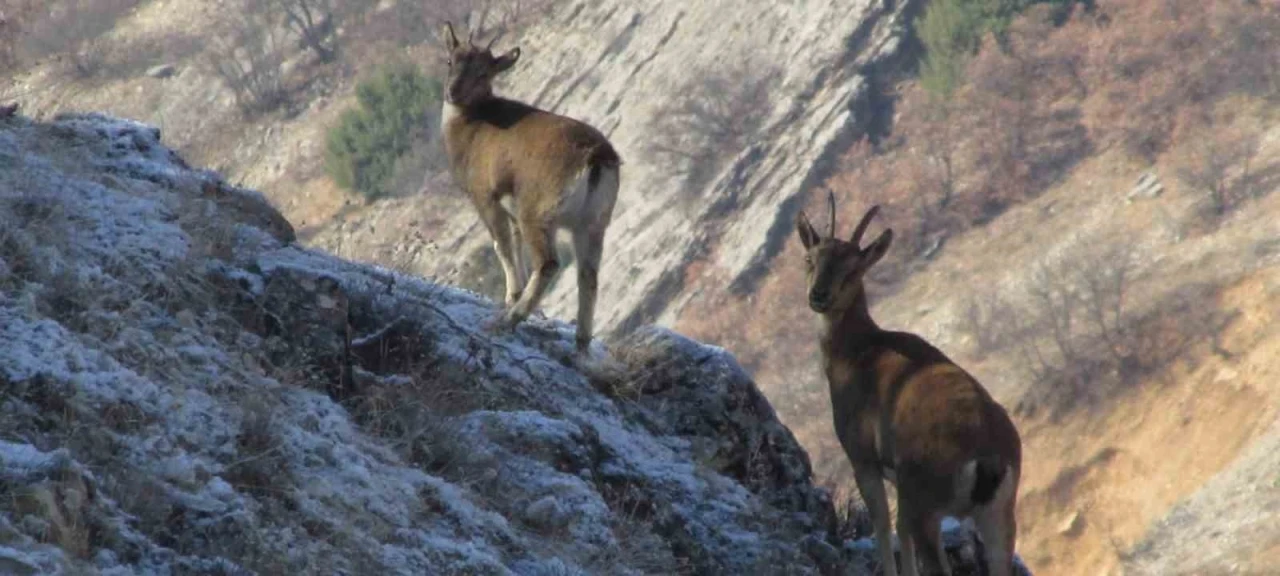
501,323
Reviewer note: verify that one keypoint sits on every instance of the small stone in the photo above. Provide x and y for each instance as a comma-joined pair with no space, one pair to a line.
1071,525
545,511
1147,186
162,71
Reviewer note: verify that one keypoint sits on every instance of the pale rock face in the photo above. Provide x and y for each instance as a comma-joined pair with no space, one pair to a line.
614,62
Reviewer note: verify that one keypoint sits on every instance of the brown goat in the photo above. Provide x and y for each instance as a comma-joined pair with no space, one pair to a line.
529,173
907,413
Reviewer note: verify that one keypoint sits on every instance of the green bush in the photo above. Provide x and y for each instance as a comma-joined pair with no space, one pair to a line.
952,31
394,109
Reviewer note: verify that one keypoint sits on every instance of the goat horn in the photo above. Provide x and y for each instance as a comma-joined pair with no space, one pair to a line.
489,46
862,226
449,26
831,203
471,37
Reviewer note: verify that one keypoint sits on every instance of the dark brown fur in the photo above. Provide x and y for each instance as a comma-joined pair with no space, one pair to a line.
932,419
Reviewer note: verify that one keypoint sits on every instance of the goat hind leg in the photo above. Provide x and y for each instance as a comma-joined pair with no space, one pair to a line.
520,254
998,527
587,249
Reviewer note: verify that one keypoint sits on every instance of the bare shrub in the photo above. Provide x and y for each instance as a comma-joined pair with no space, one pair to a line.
313,21
711,118
1211,161
413,23
1103,277
1026,119
985,317
259,464
853,519
416,418
410,396
941,148
1077,336
68,29
485,18
13,20
248,55
636,530
1175,54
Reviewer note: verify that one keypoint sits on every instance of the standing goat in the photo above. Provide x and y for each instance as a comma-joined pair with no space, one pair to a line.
529,173
905,412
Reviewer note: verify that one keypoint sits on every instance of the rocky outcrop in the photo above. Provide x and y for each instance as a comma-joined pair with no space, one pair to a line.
186,391
615,64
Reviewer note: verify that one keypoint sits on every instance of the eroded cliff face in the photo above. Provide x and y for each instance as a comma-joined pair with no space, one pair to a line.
615,64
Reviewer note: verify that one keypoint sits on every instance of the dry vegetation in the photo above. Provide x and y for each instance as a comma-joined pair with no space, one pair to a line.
1177,82
1076,332
248,55
69,30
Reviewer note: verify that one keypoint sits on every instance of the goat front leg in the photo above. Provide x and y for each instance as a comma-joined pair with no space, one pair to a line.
500,229
541,243
871,485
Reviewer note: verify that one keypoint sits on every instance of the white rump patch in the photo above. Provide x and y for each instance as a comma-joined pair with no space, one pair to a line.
580,205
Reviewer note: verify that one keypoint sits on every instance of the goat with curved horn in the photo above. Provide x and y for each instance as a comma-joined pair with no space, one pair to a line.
904,412
450,37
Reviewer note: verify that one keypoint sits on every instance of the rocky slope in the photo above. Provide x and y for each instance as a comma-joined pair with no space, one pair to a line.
185,390
615,64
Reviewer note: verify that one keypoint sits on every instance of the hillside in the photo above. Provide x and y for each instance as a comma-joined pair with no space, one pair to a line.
1086,222
188,391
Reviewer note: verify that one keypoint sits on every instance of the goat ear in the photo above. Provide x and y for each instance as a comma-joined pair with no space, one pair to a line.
808,236
450,39
506,61
877,249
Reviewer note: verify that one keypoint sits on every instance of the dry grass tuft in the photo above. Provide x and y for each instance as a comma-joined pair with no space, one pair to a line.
259,467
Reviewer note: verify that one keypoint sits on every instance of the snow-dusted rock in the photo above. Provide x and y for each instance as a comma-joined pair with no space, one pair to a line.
185,391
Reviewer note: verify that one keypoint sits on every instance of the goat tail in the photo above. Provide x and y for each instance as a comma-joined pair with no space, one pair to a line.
603,157
989,472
